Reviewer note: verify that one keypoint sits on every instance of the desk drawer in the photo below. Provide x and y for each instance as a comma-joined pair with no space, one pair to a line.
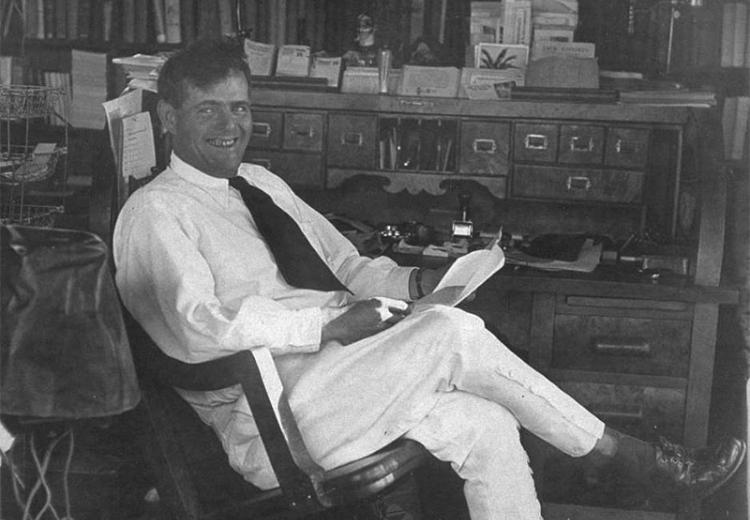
266,132
543,182
621,344
352,141
535,142
484,148
298,169
581,144
303,132
627,147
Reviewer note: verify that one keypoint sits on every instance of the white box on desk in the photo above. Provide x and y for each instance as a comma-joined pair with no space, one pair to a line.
429,81
360,80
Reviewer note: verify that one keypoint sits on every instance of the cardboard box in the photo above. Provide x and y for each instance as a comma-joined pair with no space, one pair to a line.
328,68
429,81
260,57
517,22
293,60
486,22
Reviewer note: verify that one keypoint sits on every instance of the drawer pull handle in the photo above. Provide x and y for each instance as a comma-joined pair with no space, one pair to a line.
266,163
581,144
621,413
575,182
261,129
351,138
622,347
415,103
625,147
536,142
484,145
302,131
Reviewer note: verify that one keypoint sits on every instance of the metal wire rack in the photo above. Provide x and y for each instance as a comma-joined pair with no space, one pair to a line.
22,161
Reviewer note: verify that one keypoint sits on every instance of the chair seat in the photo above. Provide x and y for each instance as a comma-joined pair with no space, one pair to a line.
371,475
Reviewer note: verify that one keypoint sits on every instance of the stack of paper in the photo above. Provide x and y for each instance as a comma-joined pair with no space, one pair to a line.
89,79
142,70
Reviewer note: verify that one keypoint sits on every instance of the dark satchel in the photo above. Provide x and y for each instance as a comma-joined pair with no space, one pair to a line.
63,349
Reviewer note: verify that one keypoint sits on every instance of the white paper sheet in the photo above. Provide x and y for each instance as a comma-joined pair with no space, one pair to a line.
115,109
465,276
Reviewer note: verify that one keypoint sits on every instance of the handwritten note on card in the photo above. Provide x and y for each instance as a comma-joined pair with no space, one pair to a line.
138,151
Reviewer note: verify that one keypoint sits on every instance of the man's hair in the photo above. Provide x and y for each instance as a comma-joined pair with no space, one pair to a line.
201,64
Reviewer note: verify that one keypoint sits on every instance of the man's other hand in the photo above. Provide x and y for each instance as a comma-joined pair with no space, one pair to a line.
363,319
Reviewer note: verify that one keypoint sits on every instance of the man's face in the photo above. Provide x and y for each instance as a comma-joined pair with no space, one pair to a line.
212,127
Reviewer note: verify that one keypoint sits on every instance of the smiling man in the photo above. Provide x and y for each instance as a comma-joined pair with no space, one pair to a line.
206,271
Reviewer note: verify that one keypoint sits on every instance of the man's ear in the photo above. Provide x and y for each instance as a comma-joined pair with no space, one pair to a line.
167,116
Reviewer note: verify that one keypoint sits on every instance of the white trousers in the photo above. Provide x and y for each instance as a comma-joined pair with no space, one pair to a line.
438,377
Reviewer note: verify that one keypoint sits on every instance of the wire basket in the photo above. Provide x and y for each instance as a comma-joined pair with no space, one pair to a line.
19,164
30,214
28,101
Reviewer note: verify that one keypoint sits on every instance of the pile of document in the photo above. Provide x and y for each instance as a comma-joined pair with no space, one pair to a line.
141,70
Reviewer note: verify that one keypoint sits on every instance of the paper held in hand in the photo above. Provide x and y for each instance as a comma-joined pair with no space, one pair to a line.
465,276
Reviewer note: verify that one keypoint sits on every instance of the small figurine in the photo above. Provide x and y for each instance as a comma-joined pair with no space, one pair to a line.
365,52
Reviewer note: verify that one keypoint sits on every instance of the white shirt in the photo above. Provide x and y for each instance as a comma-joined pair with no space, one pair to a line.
195,272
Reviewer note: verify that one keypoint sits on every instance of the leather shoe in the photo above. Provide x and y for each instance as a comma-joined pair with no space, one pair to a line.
700,472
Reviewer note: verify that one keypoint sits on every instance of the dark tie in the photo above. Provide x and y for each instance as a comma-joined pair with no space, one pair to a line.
298,262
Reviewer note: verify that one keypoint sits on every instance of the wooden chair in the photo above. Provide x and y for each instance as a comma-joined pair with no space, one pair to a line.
191,469
192,473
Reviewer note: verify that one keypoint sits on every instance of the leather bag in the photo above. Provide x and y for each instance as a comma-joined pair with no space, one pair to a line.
64,353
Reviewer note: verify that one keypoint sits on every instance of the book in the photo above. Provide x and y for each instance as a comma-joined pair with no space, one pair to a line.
128,21
84,19
172,21
107,19
140,31
61,22
740,34
160,29
49,21
71,19
226,18
250,17
728,118
727,35
208,20
739,134
187,20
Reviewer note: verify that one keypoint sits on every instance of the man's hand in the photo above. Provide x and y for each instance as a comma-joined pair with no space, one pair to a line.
363,319
423,281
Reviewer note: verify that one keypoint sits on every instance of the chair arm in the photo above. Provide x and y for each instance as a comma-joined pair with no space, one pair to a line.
255,371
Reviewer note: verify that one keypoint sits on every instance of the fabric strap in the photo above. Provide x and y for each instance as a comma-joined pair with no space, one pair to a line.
297,260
